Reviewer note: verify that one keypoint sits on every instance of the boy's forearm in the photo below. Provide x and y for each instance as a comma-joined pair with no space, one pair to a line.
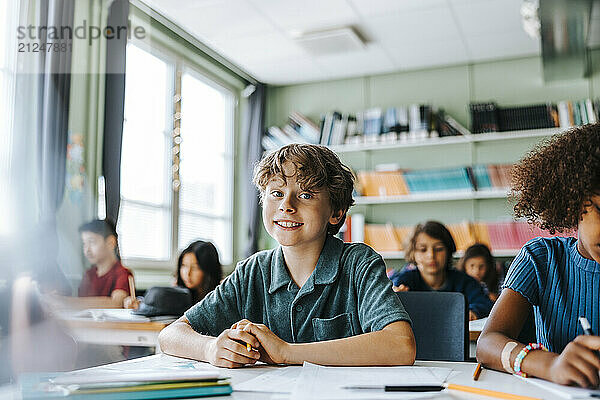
374,348
179,339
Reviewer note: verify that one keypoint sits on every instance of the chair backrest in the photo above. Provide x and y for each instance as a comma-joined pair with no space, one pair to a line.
440,324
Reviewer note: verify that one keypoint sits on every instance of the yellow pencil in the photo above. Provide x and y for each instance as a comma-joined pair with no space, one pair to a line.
487,392
131,288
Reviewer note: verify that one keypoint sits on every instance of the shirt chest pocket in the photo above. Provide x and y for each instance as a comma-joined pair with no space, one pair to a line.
337,327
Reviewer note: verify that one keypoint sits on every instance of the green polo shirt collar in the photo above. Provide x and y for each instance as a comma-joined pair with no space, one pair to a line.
326,271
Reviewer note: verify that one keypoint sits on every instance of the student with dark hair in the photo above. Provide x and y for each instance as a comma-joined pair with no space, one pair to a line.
556,186
106,283
314,298
479,264
430,248
198,269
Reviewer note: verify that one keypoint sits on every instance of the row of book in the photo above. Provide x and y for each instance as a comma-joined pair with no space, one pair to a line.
503,235
414,122
403,182
489,117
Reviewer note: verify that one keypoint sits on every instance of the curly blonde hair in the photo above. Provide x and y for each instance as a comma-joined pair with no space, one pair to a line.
314,167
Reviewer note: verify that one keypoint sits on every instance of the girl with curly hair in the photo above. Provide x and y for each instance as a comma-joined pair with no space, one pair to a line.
556,186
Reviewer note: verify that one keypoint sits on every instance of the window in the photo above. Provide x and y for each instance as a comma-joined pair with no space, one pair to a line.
8,19
177,161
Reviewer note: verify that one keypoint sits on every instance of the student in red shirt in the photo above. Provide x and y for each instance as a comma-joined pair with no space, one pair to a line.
106,283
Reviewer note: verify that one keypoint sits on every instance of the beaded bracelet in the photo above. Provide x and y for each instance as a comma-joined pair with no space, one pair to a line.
523,353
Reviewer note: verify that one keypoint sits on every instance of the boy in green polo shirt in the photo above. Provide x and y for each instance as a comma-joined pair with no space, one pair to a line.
314,298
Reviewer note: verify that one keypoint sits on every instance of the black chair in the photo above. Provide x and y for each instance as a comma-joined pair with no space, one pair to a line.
440,324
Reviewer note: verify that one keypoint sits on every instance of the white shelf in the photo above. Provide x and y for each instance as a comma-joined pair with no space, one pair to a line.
473,138
399,255
433,196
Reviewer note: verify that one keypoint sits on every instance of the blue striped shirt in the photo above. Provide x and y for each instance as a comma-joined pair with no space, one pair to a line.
561,285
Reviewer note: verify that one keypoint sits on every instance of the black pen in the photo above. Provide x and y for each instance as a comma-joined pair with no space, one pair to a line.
587,330
398,388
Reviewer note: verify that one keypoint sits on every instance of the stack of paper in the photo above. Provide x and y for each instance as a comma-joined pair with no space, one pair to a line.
129,385
331,383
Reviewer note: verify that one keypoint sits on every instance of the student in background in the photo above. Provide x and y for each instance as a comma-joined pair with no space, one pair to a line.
479,264
198,269
314,298
430,248
106,283
557,186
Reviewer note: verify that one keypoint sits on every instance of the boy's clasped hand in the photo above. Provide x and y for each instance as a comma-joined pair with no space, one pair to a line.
230,349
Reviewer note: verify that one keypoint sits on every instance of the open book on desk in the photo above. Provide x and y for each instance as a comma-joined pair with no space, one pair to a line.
112,315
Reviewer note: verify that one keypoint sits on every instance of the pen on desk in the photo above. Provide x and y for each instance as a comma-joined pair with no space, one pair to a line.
587,330
437,388
477,372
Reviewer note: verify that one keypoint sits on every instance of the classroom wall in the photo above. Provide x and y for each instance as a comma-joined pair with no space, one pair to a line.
508,82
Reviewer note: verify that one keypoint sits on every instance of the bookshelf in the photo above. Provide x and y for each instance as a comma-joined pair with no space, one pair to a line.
433,196
474,138
449,207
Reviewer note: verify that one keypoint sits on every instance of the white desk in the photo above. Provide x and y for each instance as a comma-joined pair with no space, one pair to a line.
113,327
462,375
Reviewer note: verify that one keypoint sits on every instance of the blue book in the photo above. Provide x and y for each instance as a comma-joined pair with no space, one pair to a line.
482,178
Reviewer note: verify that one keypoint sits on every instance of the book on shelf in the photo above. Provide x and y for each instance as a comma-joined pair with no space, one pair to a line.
489,117
497,235
396,182
305,127
374,125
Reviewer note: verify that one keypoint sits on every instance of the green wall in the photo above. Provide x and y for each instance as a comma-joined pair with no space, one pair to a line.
514,81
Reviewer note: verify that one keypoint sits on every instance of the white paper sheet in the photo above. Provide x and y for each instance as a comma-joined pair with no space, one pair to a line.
477,324
566,392
317,382
279,380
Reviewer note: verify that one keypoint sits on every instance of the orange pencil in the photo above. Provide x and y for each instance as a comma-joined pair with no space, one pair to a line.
487,392
477,372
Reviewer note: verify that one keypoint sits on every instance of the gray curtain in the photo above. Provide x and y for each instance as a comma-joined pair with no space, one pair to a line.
254,130
53,105
114,108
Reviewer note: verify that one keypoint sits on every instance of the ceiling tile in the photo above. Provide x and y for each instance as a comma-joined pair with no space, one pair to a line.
214,19
370,8
371,60
265,48
288,72
439,52
412,27
487,16
502,45
306,14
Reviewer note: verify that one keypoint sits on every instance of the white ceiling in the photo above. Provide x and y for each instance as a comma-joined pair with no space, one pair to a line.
257,35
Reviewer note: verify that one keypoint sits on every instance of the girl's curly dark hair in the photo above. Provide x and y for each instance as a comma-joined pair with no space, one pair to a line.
553,183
